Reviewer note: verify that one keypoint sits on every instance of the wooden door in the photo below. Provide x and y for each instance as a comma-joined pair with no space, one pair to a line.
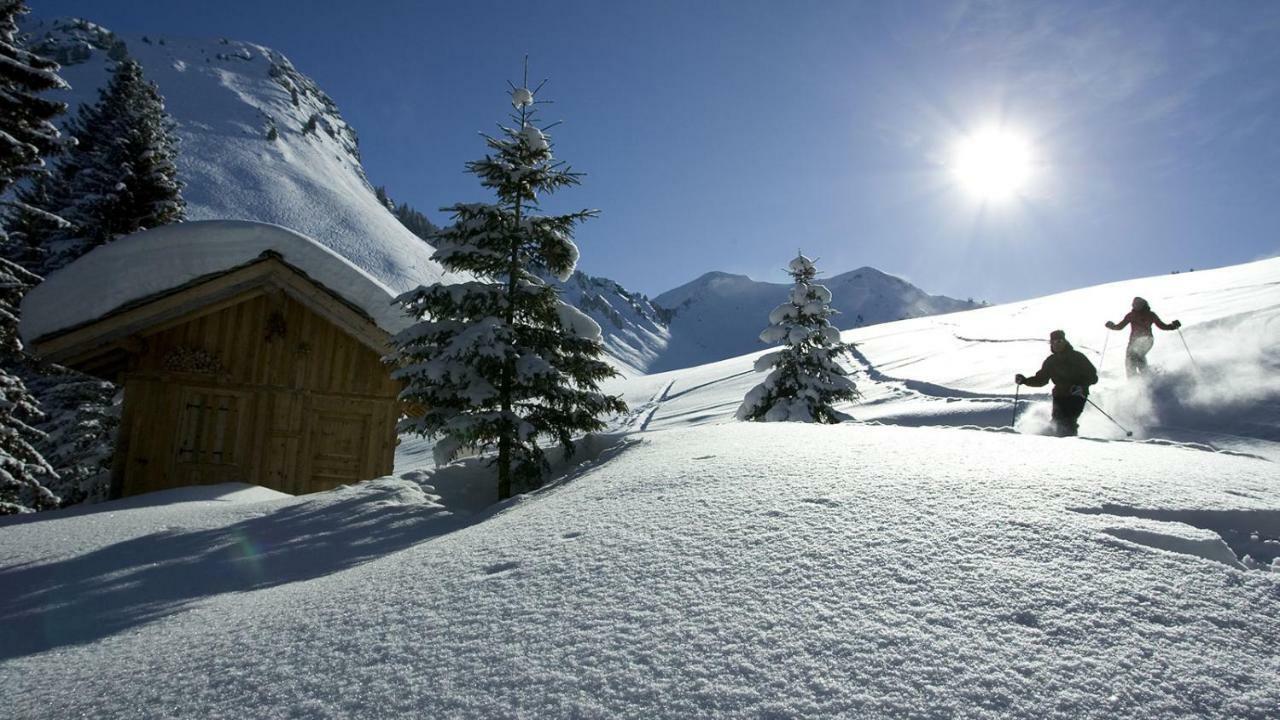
212,437
344,437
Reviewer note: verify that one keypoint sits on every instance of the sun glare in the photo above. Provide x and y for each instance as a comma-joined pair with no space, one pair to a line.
993,164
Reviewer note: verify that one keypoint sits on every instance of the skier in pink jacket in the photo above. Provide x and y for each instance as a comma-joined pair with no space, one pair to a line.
1140,318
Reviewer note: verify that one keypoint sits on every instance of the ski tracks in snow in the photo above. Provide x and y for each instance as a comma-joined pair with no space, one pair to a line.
643,415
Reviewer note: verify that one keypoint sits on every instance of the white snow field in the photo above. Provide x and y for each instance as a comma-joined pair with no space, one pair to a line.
917,566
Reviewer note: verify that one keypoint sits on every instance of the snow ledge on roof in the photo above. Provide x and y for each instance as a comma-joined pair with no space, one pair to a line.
154,261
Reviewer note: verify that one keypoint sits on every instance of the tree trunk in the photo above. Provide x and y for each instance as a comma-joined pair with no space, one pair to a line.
504,467
509,370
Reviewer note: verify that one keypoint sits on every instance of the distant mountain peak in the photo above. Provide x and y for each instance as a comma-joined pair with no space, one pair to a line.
720,315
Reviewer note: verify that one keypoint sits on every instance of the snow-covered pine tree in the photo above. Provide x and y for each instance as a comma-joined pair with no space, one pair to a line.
122,175
75,433
23,471
414,221
81,419
501,360
806,379
27,132
30,226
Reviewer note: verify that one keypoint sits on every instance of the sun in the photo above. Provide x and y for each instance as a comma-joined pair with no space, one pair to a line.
993,164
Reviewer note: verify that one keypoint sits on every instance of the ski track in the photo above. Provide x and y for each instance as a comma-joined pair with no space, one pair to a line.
922,388
650,408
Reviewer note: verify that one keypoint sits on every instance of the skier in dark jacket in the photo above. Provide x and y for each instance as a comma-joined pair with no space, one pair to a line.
1140,319
1072,374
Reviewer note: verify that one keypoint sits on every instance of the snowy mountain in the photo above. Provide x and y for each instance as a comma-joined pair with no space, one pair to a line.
258,141
635,330
931,561
720,315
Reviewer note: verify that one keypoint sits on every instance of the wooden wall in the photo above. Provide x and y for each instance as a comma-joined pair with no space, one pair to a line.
263,391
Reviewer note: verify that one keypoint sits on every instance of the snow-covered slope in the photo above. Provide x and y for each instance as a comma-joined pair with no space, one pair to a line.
1215,382
720,315
702,567
227,97
749,571
635,330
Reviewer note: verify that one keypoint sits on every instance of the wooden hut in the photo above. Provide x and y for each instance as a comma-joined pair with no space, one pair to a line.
260,361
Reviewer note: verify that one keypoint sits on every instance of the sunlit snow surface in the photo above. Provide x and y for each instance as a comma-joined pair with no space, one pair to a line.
693,566
1216,383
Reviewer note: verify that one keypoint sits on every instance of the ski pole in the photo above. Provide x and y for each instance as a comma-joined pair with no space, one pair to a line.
1103,355
1016,389
1194,364
1127,433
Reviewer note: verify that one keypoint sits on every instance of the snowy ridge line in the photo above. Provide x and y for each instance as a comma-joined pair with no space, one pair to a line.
1267,521
1212,549
1246,539
1207,447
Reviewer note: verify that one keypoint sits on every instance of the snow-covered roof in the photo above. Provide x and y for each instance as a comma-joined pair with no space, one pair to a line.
155,261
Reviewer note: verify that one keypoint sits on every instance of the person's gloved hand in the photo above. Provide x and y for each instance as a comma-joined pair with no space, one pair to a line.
1019,378
1175,324
1111,325
1077,391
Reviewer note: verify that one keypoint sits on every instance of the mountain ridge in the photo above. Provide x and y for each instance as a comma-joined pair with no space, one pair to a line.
719,315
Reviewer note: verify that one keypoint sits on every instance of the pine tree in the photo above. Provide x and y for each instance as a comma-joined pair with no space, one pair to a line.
23,471
30,227
81,419
27,132
806,379
414,221
501,360
120,178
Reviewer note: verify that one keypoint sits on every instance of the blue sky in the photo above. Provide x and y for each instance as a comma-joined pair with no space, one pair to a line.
725,135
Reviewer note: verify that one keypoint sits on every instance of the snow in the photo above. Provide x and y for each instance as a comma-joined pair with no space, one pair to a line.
929,561
534,138
160,259
800,263
932,562
577,322
699,572
520,97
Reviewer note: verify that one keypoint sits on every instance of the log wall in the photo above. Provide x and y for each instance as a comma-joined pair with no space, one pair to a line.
262,390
